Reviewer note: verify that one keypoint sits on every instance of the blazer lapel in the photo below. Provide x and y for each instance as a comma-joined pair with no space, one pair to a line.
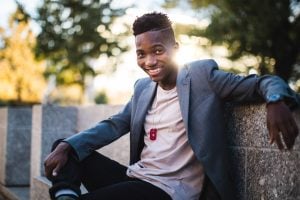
183,90
143,105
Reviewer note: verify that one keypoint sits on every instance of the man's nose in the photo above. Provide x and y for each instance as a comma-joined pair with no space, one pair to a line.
150,61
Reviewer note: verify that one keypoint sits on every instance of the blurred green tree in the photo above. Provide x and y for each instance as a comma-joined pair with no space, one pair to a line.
73,32
267,29
101,98
21,76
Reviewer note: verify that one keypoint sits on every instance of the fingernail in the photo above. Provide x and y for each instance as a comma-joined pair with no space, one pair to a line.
54,174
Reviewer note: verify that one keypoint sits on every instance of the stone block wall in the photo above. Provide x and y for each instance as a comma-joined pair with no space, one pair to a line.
15,139
260,170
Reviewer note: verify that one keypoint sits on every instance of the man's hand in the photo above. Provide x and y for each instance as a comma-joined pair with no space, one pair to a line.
280,120
57,159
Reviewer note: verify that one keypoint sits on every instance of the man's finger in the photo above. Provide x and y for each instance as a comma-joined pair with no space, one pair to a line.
287,134
273,131
56,170
48,170
275,136
278,141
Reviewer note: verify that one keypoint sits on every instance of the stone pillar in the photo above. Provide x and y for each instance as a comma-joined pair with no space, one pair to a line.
53,122
15,139
49,123
260,170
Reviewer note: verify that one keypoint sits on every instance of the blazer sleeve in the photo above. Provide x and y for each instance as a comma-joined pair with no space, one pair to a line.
232,87
103,133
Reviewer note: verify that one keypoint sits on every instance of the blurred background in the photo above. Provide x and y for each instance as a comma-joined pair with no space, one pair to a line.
72,52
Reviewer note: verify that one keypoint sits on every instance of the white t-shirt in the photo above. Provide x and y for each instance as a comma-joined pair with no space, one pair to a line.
168,161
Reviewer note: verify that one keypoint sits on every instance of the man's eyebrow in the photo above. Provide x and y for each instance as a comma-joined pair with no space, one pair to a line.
152,47
157,44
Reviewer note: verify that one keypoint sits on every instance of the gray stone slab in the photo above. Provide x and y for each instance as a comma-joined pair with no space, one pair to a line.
19,117
15,146
247,126
57,118
49,124
272,174
18,158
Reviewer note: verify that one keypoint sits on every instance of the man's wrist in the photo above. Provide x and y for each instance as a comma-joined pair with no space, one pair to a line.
277,102
64,146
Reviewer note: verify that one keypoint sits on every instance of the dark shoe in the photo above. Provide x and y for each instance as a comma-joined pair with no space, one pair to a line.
67,197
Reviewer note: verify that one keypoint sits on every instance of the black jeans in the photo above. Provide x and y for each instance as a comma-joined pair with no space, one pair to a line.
104,179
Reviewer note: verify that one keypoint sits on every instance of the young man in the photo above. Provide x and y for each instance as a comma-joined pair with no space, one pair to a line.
175,120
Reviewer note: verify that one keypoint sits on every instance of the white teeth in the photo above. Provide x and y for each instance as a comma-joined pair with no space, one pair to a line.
154,71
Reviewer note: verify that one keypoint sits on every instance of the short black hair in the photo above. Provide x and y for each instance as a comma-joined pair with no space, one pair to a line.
154,21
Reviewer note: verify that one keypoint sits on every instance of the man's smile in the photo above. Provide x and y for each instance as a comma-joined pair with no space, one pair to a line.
154,72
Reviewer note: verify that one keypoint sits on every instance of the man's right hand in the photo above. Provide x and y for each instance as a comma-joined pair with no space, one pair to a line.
57,159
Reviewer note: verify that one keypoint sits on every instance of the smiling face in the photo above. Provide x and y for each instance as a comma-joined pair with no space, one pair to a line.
155,55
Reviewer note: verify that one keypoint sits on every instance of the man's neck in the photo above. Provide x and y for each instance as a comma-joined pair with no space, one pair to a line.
170,82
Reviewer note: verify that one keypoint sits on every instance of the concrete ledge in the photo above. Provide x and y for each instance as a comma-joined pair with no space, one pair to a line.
14,193
40,188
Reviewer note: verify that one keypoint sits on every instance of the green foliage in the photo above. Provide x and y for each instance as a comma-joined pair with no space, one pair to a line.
72,33
268,29
101,98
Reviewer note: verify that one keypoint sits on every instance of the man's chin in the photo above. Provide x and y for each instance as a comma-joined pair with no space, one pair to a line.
155,79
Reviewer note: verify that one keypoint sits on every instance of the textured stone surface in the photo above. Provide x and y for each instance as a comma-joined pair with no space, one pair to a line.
272,174
260,170
15,141
247,126
39,188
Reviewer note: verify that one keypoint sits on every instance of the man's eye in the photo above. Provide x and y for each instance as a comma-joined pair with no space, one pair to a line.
158,51
140,55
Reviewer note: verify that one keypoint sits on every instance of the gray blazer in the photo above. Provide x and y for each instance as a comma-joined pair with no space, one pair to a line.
202,91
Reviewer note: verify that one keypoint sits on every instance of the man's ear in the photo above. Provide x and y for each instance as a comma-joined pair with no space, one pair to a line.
176,46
